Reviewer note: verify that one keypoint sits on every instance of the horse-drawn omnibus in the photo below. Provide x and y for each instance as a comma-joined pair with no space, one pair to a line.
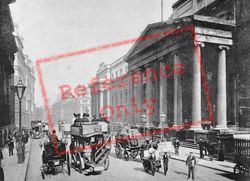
90,148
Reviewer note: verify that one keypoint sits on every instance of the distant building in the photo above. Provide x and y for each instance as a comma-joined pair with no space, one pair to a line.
24,70
64,110
40,114
7,51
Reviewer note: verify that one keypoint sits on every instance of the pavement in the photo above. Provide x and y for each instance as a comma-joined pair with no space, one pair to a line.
224,166
12,170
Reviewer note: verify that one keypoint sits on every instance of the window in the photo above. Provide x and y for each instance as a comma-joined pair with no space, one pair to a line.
120,72
116,74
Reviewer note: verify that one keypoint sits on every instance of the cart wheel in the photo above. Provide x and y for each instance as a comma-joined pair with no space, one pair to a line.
152,168
78,158
68,163
126,156
142,154
118,151
106,164
134,154
238,172
43,175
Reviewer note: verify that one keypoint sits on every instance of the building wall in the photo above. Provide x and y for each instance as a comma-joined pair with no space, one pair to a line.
117,96
7,50
64,110
189,7
24,70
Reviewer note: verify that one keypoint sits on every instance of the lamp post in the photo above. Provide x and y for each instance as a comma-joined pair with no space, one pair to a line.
20,89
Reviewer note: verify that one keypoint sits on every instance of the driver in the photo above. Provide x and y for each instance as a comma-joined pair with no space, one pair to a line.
53,137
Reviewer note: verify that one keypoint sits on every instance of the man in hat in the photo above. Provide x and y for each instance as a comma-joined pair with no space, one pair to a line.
191,162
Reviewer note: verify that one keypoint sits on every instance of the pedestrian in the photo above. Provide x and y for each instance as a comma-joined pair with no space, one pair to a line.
201,146
177,146
191,162
11,146
19,151
1,156
220,151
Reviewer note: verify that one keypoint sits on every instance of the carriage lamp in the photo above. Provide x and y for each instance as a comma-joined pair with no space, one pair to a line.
20,89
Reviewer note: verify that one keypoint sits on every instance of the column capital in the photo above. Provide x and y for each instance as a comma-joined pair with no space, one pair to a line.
139,69
198,43
147,65
223,47
176,52
161,59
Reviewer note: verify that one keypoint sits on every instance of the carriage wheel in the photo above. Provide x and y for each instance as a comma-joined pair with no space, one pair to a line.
142,155
118,151
238,171
134,154
68,163
80,162
126,156
43,175
106,164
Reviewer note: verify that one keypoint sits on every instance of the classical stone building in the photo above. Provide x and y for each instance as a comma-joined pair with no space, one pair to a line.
109,97
24,70
199,40
7,50
208,39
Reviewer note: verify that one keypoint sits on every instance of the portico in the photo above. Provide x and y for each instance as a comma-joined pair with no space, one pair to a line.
186,60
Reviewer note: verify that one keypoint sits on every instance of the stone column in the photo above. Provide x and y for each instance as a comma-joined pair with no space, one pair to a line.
196,98
222,89
149,92
131,97
177,93
138,93
163,92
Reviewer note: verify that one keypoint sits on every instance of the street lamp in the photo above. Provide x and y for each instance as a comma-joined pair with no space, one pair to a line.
20,89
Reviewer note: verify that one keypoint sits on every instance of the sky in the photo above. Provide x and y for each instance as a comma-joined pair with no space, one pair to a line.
52,27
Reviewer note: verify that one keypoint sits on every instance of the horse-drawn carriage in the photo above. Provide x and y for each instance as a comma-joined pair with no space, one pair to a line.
36,131
89,148
129,142
126,146
54,159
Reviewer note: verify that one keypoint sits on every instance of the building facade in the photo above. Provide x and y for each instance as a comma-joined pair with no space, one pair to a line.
24,70
107,95
207,40
190,72
7,51
64,110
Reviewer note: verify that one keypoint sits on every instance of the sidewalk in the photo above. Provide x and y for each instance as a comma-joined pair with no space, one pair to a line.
205,162
12,170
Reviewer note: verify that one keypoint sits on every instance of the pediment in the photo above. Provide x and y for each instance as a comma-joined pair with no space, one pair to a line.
154,32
